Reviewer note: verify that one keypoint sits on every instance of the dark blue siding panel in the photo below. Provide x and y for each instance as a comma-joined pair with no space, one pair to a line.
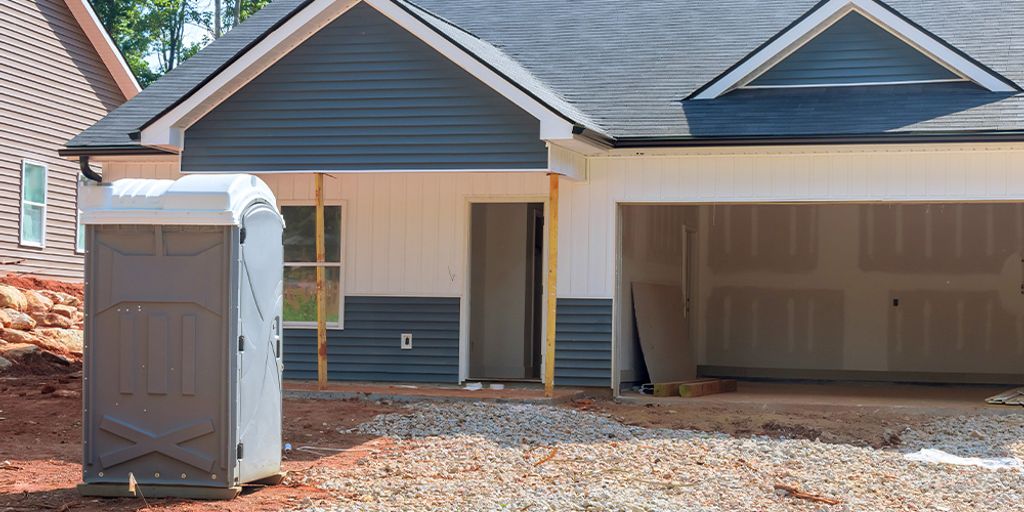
853,50
583,342
368,348
364,94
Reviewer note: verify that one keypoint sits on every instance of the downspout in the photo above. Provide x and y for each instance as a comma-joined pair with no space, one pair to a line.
83,165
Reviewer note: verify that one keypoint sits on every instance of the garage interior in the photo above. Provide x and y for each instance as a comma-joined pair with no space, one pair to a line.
883,292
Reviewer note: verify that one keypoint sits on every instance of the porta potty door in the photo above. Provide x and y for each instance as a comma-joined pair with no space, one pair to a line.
157,393
259,365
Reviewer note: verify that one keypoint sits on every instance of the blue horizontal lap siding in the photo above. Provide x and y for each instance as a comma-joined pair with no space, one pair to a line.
853,50
368,348
583,342
364,94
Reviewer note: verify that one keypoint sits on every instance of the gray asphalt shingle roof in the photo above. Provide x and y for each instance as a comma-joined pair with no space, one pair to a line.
622,69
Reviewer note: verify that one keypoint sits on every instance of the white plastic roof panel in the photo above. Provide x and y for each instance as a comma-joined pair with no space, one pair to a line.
195,199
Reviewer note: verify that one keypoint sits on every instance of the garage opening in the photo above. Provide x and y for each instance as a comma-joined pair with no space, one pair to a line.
835,292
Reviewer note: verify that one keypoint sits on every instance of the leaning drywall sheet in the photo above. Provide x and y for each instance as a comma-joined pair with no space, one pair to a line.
667,349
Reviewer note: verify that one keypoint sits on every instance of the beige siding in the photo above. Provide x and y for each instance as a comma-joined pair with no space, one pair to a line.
52,86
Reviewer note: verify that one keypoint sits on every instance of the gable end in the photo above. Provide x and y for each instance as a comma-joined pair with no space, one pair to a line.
788,43
854,51
364,95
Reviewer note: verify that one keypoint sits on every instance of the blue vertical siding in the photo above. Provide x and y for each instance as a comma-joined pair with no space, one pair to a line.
368,348
854,50
583,342
364,94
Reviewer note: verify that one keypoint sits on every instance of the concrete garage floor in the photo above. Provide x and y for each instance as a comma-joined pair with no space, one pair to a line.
863,397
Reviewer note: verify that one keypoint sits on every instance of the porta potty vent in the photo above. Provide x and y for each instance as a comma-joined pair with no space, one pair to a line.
173,396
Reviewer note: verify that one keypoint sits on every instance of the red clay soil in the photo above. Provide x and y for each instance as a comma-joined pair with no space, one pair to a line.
27,282
42,449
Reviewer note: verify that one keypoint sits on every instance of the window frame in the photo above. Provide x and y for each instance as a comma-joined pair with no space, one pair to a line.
79,233
22,202
341,264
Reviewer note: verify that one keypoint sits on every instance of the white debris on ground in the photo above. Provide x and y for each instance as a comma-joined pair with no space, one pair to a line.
464,456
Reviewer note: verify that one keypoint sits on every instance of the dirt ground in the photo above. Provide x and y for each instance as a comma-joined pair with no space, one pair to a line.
876,428
42,445
41,448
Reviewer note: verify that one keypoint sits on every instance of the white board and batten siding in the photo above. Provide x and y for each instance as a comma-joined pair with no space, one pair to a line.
587,244
406,233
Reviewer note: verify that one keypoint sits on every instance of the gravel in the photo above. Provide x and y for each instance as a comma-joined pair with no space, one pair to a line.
463,456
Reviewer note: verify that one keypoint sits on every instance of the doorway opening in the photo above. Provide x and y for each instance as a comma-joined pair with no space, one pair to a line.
506,291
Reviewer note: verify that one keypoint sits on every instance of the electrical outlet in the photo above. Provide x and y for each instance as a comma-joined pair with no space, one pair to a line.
406,341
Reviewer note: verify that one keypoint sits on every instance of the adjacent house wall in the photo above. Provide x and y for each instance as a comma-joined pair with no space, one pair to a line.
52,86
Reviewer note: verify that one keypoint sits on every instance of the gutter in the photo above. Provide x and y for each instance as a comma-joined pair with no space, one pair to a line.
83,165
126,150
811,140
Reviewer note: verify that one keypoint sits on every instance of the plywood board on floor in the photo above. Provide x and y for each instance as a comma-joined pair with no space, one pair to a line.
694,388
666,346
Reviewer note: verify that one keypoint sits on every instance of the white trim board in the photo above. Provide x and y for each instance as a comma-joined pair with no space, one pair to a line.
167,131
822,17
109,53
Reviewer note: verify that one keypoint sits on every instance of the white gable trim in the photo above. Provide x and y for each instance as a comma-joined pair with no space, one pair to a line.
86,17
167,131
823,17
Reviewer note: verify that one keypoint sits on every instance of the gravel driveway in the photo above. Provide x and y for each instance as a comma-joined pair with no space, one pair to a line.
527,457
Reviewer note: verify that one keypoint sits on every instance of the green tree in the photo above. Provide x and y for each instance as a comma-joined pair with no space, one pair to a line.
155,30
227,14
124,21
166,21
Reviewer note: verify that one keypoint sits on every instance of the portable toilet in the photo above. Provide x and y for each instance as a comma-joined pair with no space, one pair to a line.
182,378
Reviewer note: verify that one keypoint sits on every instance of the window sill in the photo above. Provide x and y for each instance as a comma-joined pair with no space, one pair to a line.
311,325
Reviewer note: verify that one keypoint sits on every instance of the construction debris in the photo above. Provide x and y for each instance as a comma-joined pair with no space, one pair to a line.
795,492
694,388
1012,397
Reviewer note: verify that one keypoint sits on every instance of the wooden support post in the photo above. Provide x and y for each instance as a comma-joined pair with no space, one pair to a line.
549,346
321,295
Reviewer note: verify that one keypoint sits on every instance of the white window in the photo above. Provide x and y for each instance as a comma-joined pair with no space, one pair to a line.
33,203
300,265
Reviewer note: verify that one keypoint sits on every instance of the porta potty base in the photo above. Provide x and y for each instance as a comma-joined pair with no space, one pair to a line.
171,491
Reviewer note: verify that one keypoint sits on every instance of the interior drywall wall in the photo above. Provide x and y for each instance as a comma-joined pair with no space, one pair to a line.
651,251
897,288
499,291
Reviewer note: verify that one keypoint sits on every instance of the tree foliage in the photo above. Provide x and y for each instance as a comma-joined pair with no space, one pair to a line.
153,35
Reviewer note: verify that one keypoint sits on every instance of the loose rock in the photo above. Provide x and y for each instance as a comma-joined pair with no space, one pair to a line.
468,456
19,320
11,297
37,302
53,320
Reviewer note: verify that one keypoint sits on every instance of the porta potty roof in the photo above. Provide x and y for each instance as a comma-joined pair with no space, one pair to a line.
198,199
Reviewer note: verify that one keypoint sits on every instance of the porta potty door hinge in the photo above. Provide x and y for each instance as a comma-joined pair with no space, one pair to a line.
241,343
238,451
